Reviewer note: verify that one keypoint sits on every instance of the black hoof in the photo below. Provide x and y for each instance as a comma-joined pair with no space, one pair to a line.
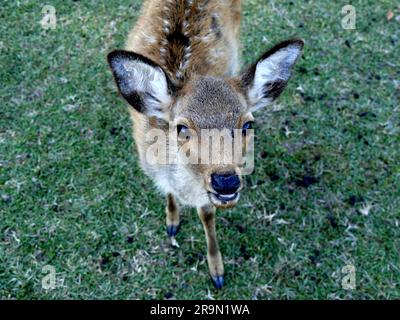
218,282
172,230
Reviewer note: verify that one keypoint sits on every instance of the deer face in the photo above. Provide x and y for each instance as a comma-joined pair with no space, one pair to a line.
213,121
207,112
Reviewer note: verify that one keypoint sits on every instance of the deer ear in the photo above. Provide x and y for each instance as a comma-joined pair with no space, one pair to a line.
265,80
143,84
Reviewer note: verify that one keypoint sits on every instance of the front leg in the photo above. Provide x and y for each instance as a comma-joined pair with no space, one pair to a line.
172,211
214,258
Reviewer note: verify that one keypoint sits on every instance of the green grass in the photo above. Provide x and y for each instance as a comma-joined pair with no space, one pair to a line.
73,196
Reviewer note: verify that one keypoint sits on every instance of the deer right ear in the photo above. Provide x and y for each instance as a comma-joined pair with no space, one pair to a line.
142,83
265,80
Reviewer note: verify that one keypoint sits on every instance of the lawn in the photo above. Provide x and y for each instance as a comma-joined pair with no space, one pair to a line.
325,193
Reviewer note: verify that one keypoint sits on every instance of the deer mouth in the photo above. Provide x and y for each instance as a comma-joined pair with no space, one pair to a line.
224,200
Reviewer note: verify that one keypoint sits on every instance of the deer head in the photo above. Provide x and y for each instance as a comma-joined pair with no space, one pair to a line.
206,103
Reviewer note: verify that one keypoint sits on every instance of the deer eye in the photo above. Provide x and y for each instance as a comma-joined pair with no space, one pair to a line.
248,125
183,131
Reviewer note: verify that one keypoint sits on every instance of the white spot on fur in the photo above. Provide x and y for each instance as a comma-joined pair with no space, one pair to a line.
187,57
207,37
188,51
179,74
150,39
184,64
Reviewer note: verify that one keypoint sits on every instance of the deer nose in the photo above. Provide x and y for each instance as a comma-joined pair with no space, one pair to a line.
225,183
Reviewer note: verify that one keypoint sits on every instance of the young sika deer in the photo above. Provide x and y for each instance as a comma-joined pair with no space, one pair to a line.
180,72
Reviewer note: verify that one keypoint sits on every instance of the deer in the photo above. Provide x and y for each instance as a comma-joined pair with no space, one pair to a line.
180,72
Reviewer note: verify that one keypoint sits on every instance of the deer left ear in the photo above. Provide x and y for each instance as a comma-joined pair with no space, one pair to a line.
265,80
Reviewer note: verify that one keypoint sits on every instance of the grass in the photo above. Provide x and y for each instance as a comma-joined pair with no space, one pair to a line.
325,192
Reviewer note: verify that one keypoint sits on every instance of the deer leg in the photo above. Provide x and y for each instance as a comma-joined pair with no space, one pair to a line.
172,211
214,258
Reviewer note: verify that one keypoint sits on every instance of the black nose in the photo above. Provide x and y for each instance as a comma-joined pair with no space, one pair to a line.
225,183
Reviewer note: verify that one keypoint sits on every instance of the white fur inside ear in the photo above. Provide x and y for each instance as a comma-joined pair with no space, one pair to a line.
276,67
150,82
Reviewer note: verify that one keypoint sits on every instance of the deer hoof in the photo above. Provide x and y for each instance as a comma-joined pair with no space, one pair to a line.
218,282
172,230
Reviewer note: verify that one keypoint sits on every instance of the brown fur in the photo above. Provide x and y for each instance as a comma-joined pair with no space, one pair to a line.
214,258
171,39
194,44
172,211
